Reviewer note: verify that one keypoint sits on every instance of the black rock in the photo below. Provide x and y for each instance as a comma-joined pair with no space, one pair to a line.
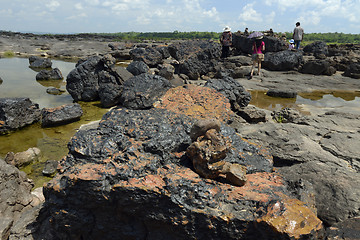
38,62
282,61
137,67
16,113
140,92
61,115
232,89
281,93
53,74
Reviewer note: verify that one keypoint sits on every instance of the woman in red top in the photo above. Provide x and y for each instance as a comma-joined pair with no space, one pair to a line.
257,56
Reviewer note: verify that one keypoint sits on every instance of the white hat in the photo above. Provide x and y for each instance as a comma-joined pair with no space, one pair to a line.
227,29
291,40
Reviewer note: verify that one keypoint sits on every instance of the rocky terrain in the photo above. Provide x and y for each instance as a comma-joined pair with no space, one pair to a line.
143,172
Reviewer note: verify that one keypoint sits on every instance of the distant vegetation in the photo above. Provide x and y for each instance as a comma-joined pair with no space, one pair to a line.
330,38
338,38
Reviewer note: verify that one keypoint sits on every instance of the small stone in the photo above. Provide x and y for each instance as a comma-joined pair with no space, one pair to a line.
236,174
202,126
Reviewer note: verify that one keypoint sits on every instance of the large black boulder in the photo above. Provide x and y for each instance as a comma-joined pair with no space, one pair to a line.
244,45
97,78
141,91
82,82
16,113
137,67
148,55
317,47
232,89
353,71
318,67
196,57
282,61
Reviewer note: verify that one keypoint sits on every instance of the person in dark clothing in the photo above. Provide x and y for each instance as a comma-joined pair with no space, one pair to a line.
226,41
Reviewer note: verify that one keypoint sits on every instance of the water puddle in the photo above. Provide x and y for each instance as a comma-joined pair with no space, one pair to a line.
315,102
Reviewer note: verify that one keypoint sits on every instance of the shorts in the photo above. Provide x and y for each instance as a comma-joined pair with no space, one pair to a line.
257,57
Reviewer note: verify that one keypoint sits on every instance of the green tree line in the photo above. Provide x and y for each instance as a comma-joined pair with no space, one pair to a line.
338,38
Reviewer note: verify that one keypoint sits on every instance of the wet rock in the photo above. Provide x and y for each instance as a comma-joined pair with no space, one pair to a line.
53,74
38,62
353,71
17,113
233,90
148,55
138,67
252,114
141,91
50,168
61,115
281,93
282,61
22,159
54,91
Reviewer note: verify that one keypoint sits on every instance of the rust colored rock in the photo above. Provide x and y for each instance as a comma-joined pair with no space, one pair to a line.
197,102
293,218
208,152
236,174
200,127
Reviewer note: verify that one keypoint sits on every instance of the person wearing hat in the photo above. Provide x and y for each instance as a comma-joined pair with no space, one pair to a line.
226,41
291,45
257,56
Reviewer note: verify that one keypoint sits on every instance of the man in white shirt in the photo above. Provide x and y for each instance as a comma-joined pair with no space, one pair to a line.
298,35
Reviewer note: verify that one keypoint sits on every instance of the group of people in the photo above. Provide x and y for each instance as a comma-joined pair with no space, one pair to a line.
258,45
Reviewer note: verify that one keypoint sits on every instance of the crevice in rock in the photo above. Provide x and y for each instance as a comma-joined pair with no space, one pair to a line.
280,162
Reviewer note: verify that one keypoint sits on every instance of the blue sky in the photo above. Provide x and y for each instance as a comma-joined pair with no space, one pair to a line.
108,16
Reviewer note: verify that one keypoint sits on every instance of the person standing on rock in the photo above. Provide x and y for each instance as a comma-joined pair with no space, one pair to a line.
257,57
226,41
298,35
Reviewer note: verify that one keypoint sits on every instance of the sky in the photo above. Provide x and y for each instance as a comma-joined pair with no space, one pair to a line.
110,16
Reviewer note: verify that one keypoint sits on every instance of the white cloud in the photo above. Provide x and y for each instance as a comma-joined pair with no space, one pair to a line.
79,6
249,14
77,16
93,2
53,5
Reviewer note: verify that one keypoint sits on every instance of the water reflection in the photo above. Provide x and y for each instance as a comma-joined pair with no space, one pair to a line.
20,81
311,103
